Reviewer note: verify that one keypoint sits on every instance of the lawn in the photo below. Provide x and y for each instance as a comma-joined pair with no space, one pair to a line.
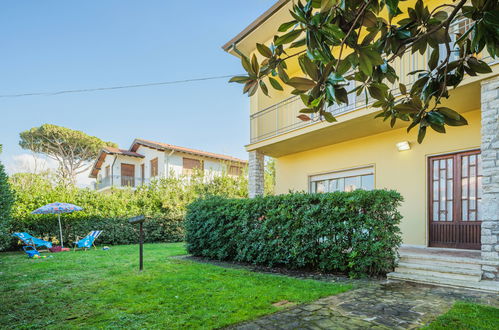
100,288
467,316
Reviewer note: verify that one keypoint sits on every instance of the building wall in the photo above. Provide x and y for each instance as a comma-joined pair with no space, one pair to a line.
150,154
168,164
402,171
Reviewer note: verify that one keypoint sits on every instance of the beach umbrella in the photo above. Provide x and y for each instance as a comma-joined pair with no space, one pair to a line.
57,208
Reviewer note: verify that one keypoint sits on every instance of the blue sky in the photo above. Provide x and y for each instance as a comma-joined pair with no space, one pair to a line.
58,45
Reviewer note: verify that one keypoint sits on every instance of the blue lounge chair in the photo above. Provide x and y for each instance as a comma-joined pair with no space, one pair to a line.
88,241
29,240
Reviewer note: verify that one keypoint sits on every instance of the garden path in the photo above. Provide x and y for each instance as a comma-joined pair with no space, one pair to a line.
373,305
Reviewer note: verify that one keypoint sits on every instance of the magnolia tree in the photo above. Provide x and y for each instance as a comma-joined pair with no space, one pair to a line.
340,41
73,150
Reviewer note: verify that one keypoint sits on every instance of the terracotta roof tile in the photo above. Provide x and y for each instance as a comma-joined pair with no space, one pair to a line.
116,151
166,146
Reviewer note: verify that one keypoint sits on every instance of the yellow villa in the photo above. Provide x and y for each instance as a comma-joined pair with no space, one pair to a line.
450,182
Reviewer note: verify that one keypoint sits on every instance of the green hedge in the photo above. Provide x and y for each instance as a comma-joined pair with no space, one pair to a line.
163,202
115,230
349,232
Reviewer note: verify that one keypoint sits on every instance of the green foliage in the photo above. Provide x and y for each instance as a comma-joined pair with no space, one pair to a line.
164,202
6,201
463,316
106,291
72,149
324,31
349,232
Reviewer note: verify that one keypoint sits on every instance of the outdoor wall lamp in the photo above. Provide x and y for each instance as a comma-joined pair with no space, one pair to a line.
404,145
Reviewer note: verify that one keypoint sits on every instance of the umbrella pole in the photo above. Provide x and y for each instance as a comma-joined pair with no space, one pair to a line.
60,228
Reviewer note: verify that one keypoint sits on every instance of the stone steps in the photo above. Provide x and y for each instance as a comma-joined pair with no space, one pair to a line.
442,261
442,269
487,286
435,270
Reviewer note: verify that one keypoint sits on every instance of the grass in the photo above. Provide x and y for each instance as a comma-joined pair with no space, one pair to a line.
97,288
467,316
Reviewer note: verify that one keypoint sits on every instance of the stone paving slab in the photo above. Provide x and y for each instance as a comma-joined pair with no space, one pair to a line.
381,305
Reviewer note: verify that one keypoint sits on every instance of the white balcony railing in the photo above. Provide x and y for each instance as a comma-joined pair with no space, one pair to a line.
281,117
120,182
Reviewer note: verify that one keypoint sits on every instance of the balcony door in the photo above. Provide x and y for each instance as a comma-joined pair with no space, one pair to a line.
455,194
127,175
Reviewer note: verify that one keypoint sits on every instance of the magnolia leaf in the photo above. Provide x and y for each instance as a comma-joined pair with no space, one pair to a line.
406,108
433,61
307,110
392,6
301,84
329,117
247,65
285,26
254,65
264,88
308,67
402,89
449,113
421,134
240,79
304,118
264,50
287,38
478,66
275,84
438,128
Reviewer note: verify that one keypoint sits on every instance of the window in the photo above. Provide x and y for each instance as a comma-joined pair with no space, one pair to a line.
455,200
154,167
350,180
127,175
235,170
190,165
456,187
142,173
108,171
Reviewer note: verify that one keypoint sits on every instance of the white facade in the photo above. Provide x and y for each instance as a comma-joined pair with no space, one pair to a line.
114,167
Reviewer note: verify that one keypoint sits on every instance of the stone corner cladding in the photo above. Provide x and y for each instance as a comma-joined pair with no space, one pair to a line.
490,179
256,168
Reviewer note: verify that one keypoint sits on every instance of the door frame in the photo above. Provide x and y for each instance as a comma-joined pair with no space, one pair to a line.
456,209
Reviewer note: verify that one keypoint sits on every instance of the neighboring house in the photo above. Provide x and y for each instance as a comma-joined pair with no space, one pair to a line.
450,182
147,160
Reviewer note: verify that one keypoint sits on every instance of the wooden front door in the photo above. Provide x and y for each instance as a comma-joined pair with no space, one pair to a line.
455,200
127,175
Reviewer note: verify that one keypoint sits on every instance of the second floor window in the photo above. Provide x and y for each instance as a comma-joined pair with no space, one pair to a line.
190,165
108,171
235,170
349,180
154,167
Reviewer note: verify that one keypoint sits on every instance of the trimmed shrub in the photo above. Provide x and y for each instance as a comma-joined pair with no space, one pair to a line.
6,201
164,203
355,232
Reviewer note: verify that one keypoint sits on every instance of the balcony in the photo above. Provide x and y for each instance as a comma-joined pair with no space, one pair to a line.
281,118
120,182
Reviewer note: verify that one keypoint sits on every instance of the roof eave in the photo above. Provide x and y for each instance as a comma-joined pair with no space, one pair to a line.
228,46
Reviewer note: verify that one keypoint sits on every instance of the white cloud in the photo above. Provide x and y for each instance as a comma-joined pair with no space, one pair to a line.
30,163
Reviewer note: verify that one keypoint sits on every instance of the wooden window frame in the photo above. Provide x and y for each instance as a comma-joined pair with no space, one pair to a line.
130,180
154,167
189,170
454,233
235,170
457,185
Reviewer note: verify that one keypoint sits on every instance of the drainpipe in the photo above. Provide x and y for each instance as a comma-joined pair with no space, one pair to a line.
167,172
112,171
